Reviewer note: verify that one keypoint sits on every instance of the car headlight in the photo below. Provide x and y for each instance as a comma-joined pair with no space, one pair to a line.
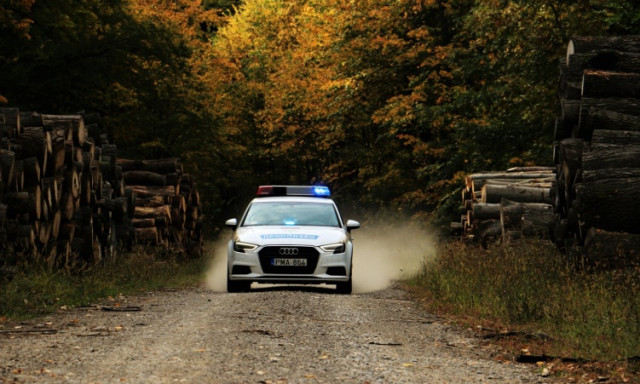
334,248
241,247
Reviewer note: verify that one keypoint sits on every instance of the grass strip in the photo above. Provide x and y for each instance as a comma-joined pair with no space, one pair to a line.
589,314
35,290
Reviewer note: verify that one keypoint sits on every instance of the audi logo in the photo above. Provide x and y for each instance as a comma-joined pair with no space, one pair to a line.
288,251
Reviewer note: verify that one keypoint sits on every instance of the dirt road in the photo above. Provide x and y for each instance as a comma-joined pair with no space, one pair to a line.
270,335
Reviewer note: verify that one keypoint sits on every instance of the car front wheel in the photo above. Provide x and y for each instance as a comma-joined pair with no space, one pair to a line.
344,288
238,286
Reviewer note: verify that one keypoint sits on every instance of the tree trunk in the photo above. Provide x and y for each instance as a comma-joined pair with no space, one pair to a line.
531,219
477,180
76,122
604,59
610,204
618,138
483,211
616,105
144,178
604,249
7,165
584,44
600,156
571,161
602,119
597,84
494,193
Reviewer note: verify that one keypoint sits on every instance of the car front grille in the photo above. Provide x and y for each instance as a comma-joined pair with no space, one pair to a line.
268,254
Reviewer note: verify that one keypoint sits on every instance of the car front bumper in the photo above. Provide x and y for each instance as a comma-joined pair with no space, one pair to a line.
257,266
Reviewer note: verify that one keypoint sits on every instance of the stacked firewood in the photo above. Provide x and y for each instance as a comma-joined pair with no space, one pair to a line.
63,195
507,205
597,149
166,210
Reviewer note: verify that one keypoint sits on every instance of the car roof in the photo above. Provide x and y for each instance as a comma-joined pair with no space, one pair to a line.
299,199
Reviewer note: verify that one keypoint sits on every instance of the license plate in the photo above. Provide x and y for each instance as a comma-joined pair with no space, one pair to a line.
289,262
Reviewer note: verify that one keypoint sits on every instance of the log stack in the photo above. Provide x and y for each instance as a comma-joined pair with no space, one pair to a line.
167,210
597,149
507,205
64,201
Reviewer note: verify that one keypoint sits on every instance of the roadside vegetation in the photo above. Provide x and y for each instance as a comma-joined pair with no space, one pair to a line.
528,290
32,291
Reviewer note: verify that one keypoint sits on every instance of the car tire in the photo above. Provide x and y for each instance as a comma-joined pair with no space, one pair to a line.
344,288
238,286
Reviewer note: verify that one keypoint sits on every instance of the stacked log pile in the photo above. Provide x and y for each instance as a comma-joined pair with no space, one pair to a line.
507,205
63,195
597,149
167,210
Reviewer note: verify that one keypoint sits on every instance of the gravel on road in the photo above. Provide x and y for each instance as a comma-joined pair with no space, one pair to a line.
269,335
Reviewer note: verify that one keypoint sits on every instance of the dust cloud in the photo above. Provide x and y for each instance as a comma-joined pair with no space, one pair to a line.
383,254
217,274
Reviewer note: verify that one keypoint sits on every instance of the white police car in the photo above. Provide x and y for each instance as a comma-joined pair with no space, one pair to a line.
293,235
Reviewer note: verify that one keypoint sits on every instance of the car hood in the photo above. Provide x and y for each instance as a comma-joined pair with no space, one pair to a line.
284,235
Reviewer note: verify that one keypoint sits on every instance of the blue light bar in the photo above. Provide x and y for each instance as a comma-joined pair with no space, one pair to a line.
321,190
294,190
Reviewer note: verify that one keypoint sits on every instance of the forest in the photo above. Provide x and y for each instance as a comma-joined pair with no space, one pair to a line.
389,102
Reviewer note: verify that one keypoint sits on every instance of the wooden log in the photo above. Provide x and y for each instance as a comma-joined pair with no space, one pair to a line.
561,130
32,171
477,180
161,166
570,111
17,183
494,193
600,156
76,122
610,173
602,59
12,120
153,212
144,178
17,202
35,202
117,207
31,119
530,219
33,142
571,160
7,165
68,205
625,138
484,211
147,235
601,84
606,250
602,119
148,222
55,165
584,44
72,183
143,191
153,201
455,227
488,230
610,204
618,105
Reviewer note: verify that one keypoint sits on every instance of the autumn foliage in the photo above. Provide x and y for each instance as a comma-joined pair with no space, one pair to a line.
389,102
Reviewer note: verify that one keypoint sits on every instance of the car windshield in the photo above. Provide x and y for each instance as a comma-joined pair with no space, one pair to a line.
291,213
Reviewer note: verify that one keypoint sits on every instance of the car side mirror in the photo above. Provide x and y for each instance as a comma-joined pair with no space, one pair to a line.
232,223
352,224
